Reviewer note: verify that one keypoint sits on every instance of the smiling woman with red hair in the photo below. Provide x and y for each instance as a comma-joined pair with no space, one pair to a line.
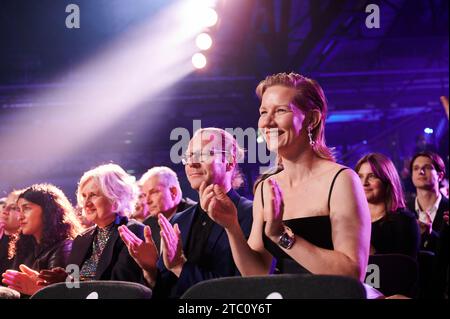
310,216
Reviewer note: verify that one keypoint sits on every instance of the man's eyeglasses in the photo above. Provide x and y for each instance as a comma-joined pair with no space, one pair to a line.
200,156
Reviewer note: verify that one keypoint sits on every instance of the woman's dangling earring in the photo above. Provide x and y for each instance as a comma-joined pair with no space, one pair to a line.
311,141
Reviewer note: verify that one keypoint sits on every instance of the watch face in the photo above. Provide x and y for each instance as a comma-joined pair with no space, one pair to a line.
286,241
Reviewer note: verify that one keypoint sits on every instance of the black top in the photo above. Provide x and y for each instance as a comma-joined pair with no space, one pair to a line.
314,229
396,233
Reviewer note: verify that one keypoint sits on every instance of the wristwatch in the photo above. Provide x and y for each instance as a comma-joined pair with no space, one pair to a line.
287,239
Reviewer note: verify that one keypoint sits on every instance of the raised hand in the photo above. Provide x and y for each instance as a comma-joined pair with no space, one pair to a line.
144,252
172,246
24,281
206,193
273,211
425,226
221,209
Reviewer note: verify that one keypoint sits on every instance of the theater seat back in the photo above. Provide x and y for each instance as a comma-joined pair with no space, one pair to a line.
101,289
287,286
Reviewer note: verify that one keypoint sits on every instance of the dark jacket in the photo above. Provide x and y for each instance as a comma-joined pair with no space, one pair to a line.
429,242
438,222
56,255
115,262
217,252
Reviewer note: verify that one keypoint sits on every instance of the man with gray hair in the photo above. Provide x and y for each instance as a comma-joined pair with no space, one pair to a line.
163,194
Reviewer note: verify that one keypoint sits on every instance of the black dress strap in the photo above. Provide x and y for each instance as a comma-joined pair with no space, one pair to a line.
268,175
332,185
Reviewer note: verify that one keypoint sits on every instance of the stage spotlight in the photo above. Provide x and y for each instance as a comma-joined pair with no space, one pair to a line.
207,3
428,130
208,17
203,41
198,61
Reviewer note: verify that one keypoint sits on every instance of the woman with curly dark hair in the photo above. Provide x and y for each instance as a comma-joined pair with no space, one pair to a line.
48,224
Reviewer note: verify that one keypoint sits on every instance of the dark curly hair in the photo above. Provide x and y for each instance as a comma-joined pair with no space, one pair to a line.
58,218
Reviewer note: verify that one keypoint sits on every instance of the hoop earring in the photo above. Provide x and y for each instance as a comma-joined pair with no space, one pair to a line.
311,141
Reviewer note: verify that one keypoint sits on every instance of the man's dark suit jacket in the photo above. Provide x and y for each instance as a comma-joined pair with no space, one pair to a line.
430,241
217,252
438,243
115,262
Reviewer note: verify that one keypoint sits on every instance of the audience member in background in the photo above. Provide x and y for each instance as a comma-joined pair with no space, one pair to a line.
47,226
163,195
107,194
432,208
394,229
311,215
140,211
428,170
9,226
196,248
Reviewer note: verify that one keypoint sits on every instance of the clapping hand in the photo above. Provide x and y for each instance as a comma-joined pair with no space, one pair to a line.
144,252
425,226
52,276
172,246
273,211
218,205
24,281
